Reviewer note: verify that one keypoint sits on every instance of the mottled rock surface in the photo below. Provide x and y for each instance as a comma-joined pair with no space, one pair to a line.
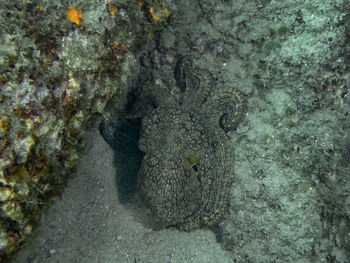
187,172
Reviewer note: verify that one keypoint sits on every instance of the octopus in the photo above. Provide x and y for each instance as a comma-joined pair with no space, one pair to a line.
188,166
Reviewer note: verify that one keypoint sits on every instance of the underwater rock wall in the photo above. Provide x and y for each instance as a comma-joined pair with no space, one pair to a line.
291,194
61,62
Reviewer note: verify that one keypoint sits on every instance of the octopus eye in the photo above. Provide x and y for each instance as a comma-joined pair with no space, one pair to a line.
191,162
192,159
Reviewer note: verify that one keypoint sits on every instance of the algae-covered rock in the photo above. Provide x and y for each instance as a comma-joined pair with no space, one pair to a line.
60,64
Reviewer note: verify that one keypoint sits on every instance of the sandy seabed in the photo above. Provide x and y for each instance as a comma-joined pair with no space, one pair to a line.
89,224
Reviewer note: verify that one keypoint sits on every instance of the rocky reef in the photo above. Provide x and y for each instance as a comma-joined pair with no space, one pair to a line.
60,64
70,62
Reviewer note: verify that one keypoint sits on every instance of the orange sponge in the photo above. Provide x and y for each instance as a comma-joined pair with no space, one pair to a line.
74,15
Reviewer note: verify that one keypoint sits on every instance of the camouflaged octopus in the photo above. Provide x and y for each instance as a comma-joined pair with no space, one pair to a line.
187,171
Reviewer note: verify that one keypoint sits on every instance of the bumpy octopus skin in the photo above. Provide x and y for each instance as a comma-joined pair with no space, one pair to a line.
187,171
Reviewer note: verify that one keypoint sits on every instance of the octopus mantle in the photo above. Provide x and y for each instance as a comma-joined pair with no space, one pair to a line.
187,170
